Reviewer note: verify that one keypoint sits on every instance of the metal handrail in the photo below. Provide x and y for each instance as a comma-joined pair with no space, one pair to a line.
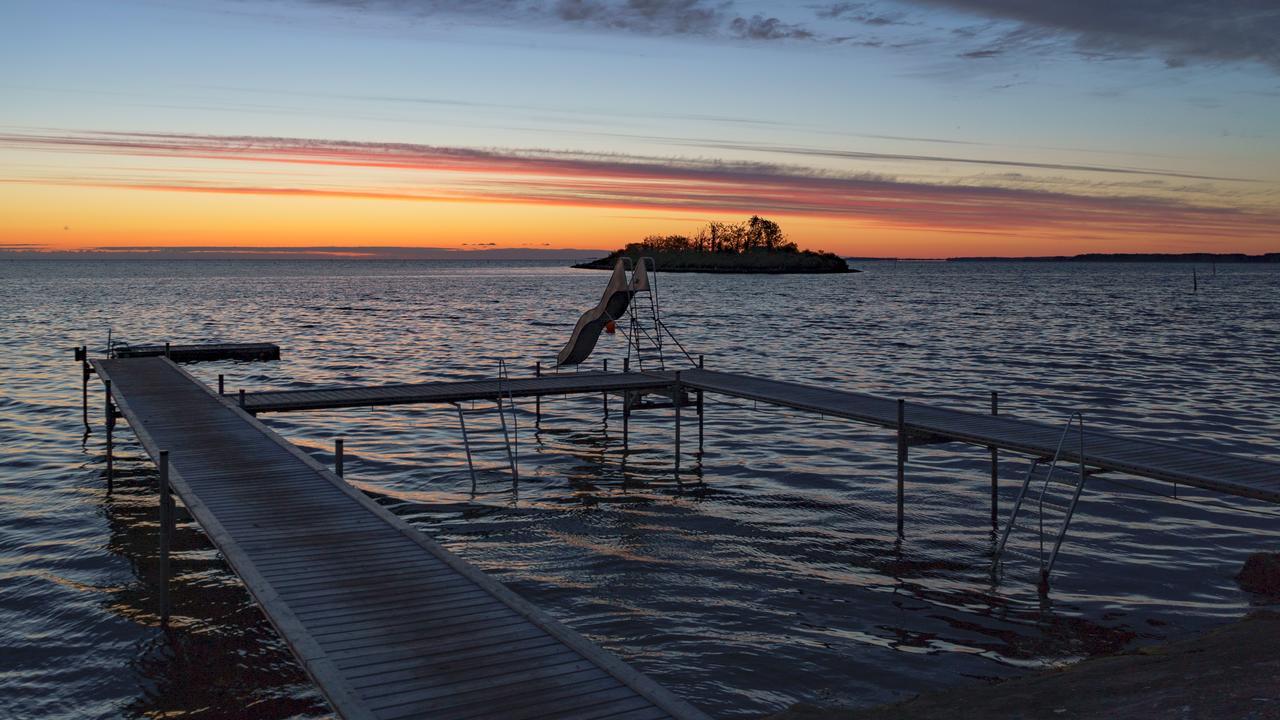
1078,417
1046,568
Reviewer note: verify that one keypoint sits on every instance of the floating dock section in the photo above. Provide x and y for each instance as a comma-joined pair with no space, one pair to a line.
202,353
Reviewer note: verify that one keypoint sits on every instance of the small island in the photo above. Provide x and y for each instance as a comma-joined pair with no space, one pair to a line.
755,246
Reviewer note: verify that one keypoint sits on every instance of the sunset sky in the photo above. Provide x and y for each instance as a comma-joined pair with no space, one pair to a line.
920,128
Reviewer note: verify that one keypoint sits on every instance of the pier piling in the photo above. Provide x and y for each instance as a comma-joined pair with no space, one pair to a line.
537,403
110,422
675,403
221,384
995,469
902,458
166,533
85,370
338,457
604,396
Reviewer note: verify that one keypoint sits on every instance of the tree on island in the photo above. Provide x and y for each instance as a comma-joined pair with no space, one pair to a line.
754,246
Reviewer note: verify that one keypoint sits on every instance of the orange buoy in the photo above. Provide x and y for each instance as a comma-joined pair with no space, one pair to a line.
611,327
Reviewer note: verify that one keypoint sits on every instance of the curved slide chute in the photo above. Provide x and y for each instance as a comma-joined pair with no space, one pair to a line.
613,304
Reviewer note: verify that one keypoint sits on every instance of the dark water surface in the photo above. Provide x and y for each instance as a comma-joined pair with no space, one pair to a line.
770,575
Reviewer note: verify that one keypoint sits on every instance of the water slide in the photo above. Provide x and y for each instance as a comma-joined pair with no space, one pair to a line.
613,305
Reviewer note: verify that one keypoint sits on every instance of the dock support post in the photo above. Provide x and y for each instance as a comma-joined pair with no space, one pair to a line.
700,445
675,403
110,413
626,422
221,384
537,401
995,469
166,530
337,457
241,398
166,350
84,384
604,396
902,458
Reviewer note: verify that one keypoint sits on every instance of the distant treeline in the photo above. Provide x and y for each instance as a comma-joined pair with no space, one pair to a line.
1137,257
754,234
754,246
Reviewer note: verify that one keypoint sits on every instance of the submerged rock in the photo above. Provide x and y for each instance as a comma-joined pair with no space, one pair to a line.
1261,574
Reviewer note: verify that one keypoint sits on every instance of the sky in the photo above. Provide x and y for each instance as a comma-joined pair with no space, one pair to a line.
886,128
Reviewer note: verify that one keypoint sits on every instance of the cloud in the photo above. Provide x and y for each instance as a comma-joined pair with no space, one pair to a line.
856,155
1177,30
759,27
705,18
551,178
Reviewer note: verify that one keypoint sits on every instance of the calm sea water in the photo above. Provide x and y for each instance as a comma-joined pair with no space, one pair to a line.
770,574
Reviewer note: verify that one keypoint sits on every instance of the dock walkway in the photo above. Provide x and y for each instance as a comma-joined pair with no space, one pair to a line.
386,622
1178,463
449,391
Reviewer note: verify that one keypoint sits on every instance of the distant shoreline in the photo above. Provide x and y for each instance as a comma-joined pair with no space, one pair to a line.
1105,257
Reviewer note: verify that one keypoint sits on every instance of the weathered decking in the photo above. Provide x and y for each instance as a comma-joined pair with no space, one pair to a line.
456,391
386,622
1180,463
203,352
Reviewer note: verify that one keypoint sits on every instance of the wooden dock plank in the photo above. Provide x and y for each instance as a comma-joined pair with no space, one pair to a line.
348,584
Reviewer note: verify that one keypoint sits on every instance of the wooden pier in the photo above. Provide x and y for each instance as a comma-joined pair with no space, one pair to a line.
922,424
386,622
926,424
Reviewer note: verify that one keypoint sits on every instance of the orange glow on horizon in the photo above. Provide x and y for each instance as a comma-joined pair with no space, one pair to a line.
158,190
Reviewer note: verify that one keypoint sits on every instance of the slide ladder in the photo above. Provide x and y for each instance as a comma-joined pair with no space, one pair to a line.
644,320
1047,505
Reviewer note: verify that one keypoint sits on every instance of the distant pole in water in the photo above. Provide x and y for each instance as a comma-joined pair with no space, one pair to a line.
1195,281
901,460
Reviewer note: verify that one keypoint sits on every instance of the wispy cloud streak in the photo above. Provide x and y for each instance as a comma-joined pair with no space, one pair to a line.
450,174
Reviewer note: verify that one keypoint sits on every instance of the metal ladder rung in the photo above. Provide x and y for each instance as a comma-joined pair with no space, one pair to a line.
1060,507
1021,554
1024,528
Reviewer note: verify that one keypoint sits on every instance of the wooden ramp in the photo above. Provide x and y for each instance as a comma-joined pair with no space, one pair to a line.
386,622
456,391
1179,463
